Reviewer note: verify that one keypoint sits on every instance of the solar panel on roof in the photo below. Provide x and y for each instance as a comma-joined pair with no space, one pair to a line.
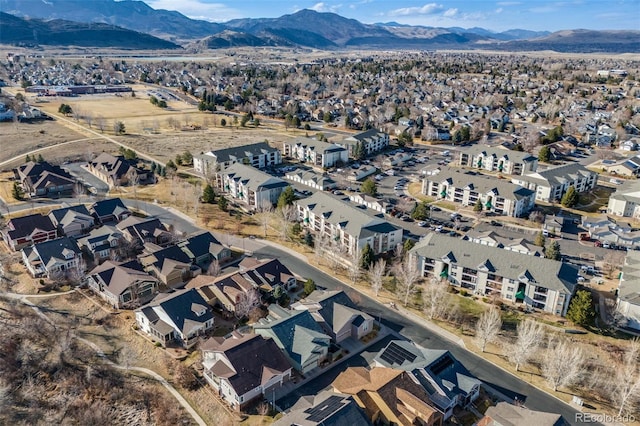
395,354
324,409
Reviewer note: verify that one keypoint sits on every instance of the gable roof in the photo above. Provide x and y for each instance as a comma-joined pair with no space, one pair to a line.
67,215
118,277
254,359
505,414
629,287
480,183
252,178
179,307
142,229
555,176
551,274
115,166
201,244
327,409
103,236
20,227
354,220
51,251
335,308
316,145
267,273
109,206
166,259
298,334
237,153
514,156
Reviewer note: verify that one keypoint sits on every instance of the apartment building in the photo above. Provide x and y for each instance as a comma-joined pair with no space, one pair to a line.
350,226
466,188
537,282
258,155
498,160
625,201
551,184
370,142
315,152
250,185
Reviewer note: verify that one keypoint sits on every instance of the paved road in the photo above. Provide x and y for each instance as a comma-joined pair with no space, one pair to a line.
504,382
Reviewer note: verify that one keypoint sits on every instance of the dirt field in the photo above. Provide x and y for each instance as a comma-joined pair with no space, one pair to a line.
20,138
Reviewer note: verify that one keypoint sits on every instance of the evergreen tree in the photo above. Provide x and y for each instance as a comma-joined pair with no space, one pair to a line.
581,311
408,245
369,187
287,197
27,158
208,194
544,155
309,286
553,251
308,238
17,192
223,203
570,198
540,240
40,158
171,165
367,257
420,211
477,206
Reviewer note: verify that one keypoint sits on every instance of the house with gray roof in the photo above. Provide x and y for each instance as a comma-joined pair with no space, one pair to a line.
122,284
628,294
298,334
327,408
101,242
42,179
551,184
349,226
446,380
468,188
250,186
312,179
72,221
258,155
115,170
181,317
494,159
109,210
625,201
537,282
629,167
337,314
505,414
370,142
140,231
243,368
315,153
53,258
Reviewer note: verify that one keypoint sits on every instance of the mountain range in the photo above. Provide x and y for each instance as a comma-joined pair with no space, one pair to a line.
305,28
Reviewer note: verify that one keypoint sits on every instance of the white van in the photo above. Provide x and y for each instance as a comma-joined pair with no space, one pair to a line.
446,153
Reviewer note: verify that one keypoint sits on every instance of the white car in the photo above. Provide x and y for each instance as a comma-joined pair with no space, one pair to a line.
422,224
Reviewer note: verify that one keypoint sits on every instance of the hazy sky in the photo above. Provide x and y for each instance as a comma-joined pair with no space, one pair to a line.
493,15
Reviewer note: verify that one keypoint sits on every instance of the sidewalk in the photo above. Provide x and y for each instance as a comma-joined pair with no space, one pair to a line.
354,348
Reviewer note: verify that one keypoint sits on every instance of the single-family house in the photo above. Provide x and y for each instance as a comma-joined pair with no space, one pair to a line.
267,274
140,231
316,153
447,382
629,145
388,396
337,314
250,186
41,179
259,155
24,231
325,408
122,285
469,188
115,170
182,317
72,221
203,248
53,259
505,414
243,368
297,334
102,243
541,283
109,210
171,265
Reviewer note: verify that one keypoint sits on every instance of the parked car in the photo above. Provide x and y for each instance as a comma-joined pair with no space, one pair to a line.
422,224
597,244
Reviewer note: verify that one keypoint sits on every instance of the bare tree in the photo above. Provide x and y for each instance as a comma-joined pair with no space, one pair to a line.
408,274
264,214
355,267
613,260
562,363
248,301
100,123
287,214
376,274
625,387
530,334
319,245
75,275
214,268
488,327
435,299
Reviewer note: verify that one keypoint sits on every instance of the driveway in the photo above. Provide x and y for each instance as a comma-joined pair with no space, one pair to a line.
89,180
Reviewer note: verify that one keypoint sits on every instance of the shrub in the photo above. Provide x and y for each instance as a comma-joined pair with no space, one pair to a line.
158,344
464,293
